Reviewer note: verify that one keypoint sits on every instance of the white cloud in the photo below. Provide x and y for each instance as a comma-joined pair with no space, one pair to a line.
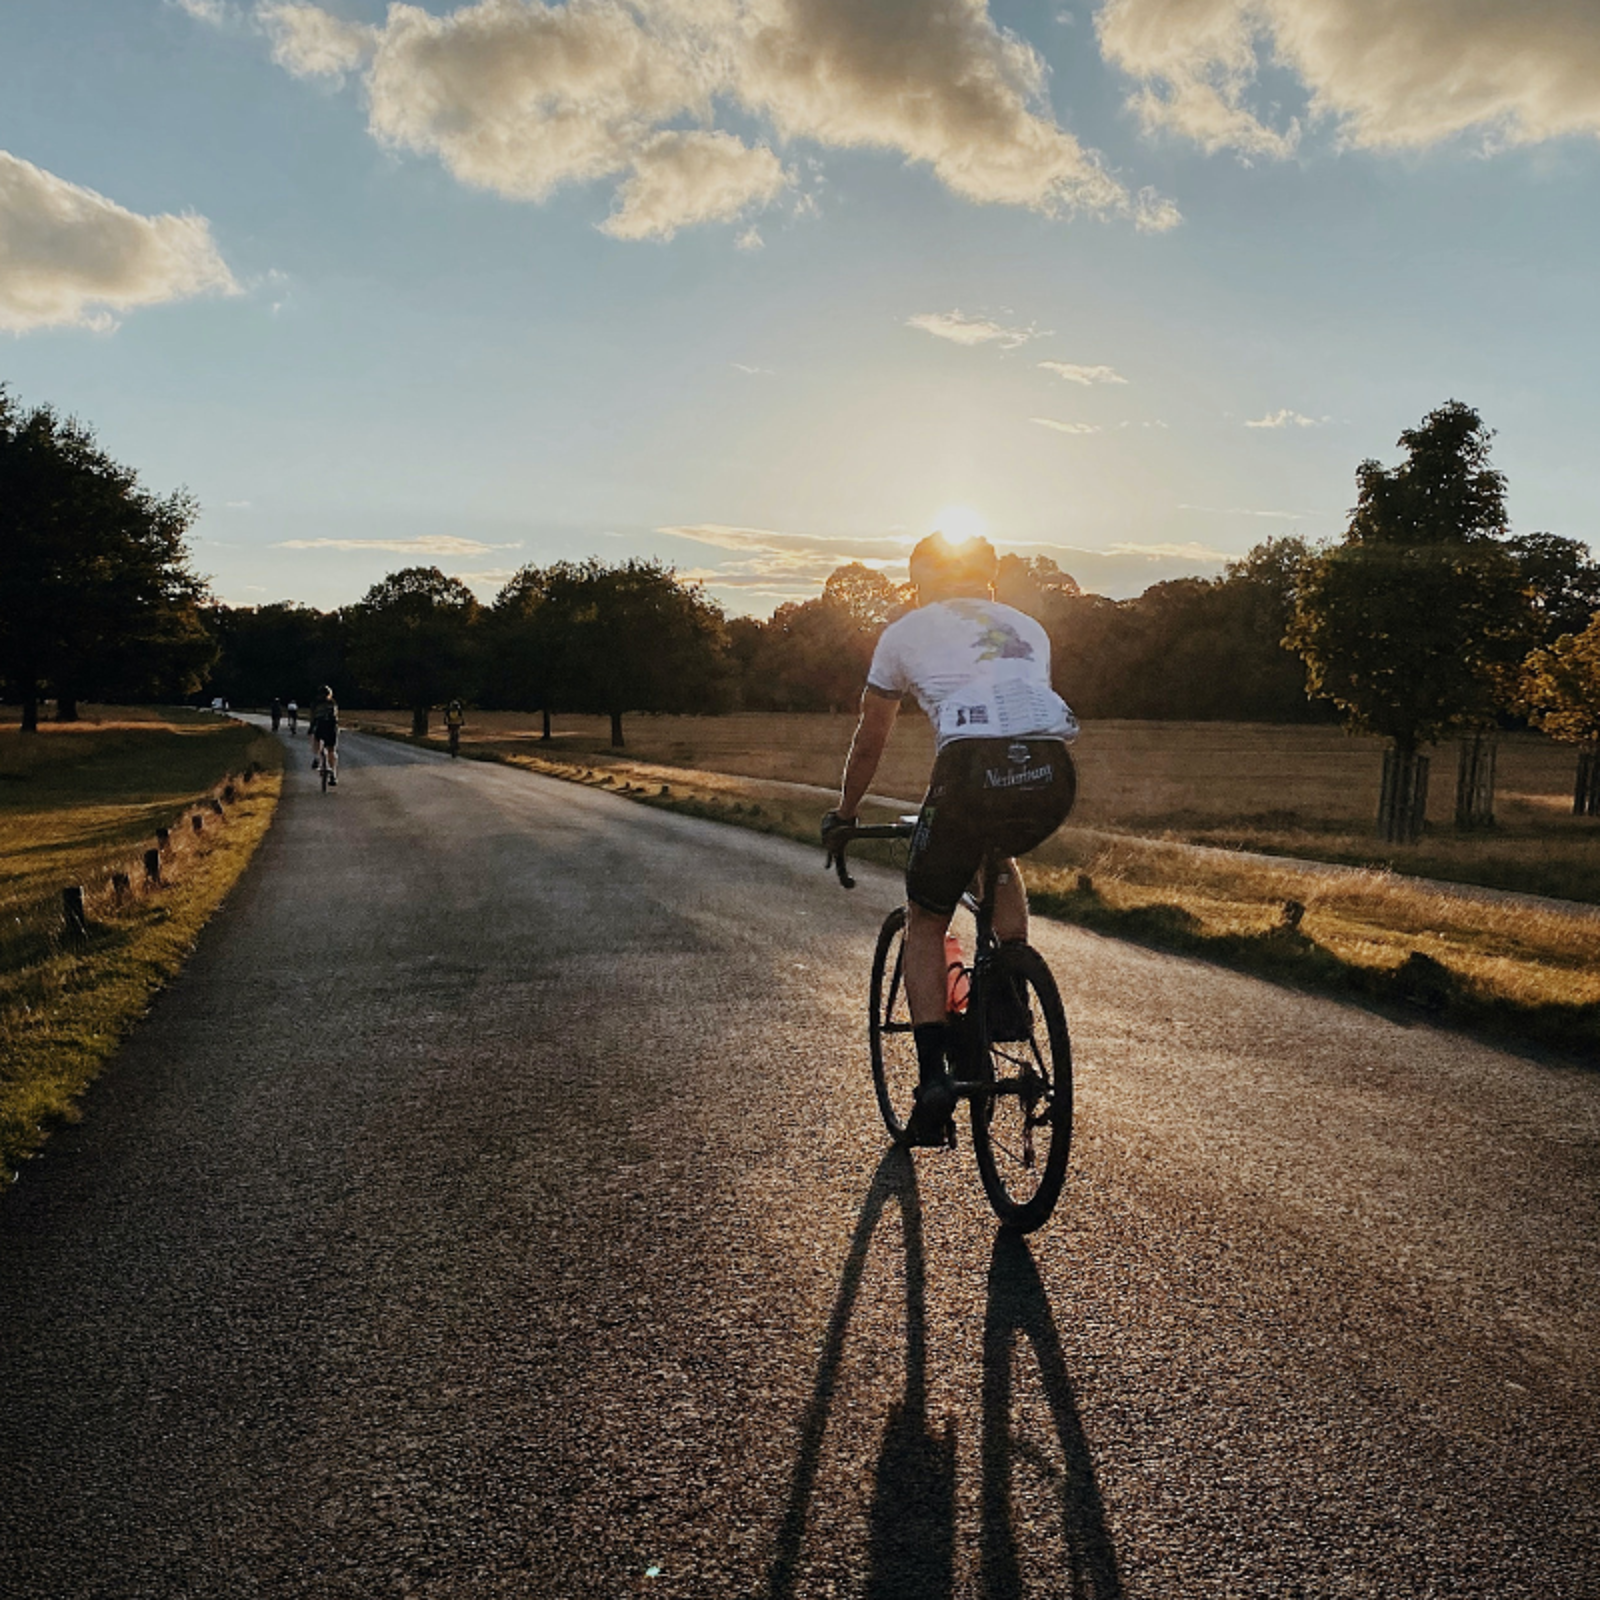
213,11
959,328
1287,419
1083,375
1246,511
71,257
679,179
1387,75
308,42
1199,553
750,239
428,545
520,97
1065,427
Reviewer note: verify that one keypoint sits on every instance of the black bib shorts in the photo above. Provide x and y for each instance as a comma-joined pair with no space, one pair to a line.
1009,795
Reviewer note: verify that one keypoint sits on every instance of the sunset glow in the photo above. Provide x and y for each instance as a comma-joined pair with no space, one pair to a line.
747,288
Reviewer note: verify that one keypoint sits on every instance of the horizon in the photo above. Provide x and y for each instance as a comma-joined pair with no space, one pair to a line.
757,288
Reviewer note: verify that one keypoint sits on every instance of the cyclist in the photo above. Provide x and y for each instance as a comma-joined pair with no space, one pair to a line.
454,720
1002,775
293,709
324,733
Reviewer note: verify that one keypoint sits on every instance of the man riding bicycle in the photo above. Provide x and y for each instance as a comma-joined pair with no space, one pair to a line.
1002,776
454,720
324,731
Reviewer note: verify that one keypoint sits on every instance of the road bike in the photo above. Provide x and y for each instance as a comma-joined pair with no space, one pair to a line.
1011,1058
455,741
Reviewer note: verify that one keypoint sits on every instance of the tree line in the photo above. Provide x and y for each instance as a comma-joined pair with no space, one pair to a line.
1429,620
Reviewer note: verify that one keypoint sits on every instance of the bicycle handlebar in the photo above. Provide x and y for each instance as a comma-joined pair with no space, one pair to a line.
844,837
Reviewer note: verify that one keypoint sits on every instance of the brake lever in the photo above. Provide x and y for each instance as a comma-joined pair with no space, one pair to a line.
835,860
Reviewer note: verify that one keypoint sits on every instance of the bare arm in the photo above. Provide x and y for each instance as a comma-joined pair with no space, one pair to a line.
866,750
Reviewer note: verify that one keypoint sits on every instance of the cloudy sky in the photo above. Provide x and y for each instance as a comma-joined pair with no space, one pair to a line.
761,286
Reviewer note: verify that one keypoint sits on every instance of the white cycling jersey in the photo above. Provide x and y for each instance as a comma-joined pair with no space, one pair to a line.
981,670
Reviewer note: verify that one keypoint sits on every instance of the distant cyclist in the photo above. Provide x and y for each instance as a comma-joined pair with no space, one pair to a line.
1002,776
294,716
454,720
324,731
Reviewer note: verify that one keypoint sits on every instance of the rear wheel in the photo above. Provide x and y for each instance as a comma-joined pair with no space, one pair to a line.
1022,1127
894,1051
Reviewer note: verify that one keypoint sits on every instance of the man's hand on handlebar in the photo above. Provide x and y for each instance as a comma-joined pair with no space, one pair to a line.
833,825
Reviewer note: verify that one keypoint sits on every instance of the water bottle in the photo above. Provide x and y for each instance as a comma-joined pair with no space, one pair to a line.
955,976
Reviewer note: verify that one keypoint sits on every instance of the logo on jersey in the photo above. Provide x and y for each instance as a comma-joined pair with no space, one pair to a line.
1001,642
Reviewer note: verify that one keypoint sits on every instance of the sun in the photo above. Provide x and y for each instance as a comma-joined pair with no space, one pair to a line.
960,523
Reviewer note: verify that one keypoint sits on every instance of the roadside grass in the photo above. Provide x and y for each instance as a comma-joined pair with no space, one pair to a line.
1525,975
78,803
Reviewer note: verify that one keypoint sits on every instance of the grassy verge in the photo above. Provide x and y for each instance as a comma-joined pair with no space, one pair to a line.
80,804
1519,974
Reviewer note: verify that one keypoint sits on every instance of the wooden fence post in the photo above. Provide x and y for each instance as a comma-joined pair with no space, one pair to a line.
152,866
72,910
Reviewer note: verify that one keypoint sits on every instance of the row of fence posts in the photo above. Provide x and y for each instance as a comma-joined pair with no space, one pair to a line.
74,914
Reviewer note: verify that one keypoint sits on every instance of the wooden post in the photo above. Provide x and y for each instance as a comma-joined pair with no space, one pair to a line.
216,806
152,866
121,886
163,839
197,821
230,794
72,911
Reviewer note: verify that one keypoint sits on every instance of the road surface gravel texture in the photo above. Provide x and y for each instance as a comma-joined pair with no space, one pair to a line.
498,1205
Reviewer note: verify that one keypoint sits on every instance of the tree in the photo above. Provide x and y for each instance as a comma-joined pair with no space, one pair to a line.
98,594
411,640
1414,625
524,644
1561,691
282,651
633,637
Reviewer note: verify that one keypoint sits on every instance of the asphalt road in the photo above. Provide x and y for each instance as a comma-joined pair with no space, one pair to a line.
497,1206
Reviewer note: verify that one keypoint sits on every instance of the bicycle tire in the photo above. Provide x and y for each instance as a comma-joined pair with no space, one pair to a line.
894,1051
1033,1079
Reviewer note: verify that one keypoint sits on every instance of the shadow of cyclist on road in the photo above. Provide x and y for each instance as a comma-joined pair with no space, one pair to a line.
912,1537
1018,1305
912,1520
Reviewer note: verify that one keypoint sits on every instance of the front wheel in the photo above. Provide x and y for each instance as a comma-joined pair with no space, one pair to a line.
894,1050
1022,1125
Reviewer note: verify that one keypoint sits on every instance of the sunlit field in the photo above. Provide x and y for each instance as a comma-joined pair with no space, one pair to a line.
79,802
1310,792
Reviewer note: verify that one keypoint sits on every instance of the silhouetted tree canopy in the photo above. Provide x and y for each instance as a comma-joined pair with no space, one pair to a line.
1415,624
633,637
410,640
96,594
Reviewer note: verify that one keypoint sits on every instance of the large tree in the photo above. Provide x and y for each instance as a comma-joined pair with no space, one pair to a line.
634,637
1415,624
1561,693
522,653
411,640
96,593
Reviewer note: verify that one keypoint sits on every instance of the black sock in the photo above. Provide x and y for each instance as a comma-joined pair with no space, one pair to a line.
930,1042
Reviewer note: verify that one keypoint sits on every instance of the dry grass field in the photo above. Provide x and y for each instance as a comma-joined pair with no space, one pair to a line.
1310,792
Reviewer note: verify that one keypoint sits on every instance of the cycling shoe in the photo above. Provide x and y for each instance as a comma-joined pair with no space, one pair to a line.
932,1123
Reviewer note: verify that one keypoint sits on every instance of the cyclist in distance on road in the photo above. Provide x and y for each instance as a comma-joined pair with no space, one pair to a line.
324,730
454,720
1002,776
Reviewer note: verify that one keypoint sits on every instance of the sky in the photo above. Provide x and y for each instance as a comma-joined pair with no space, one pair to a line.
758,287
